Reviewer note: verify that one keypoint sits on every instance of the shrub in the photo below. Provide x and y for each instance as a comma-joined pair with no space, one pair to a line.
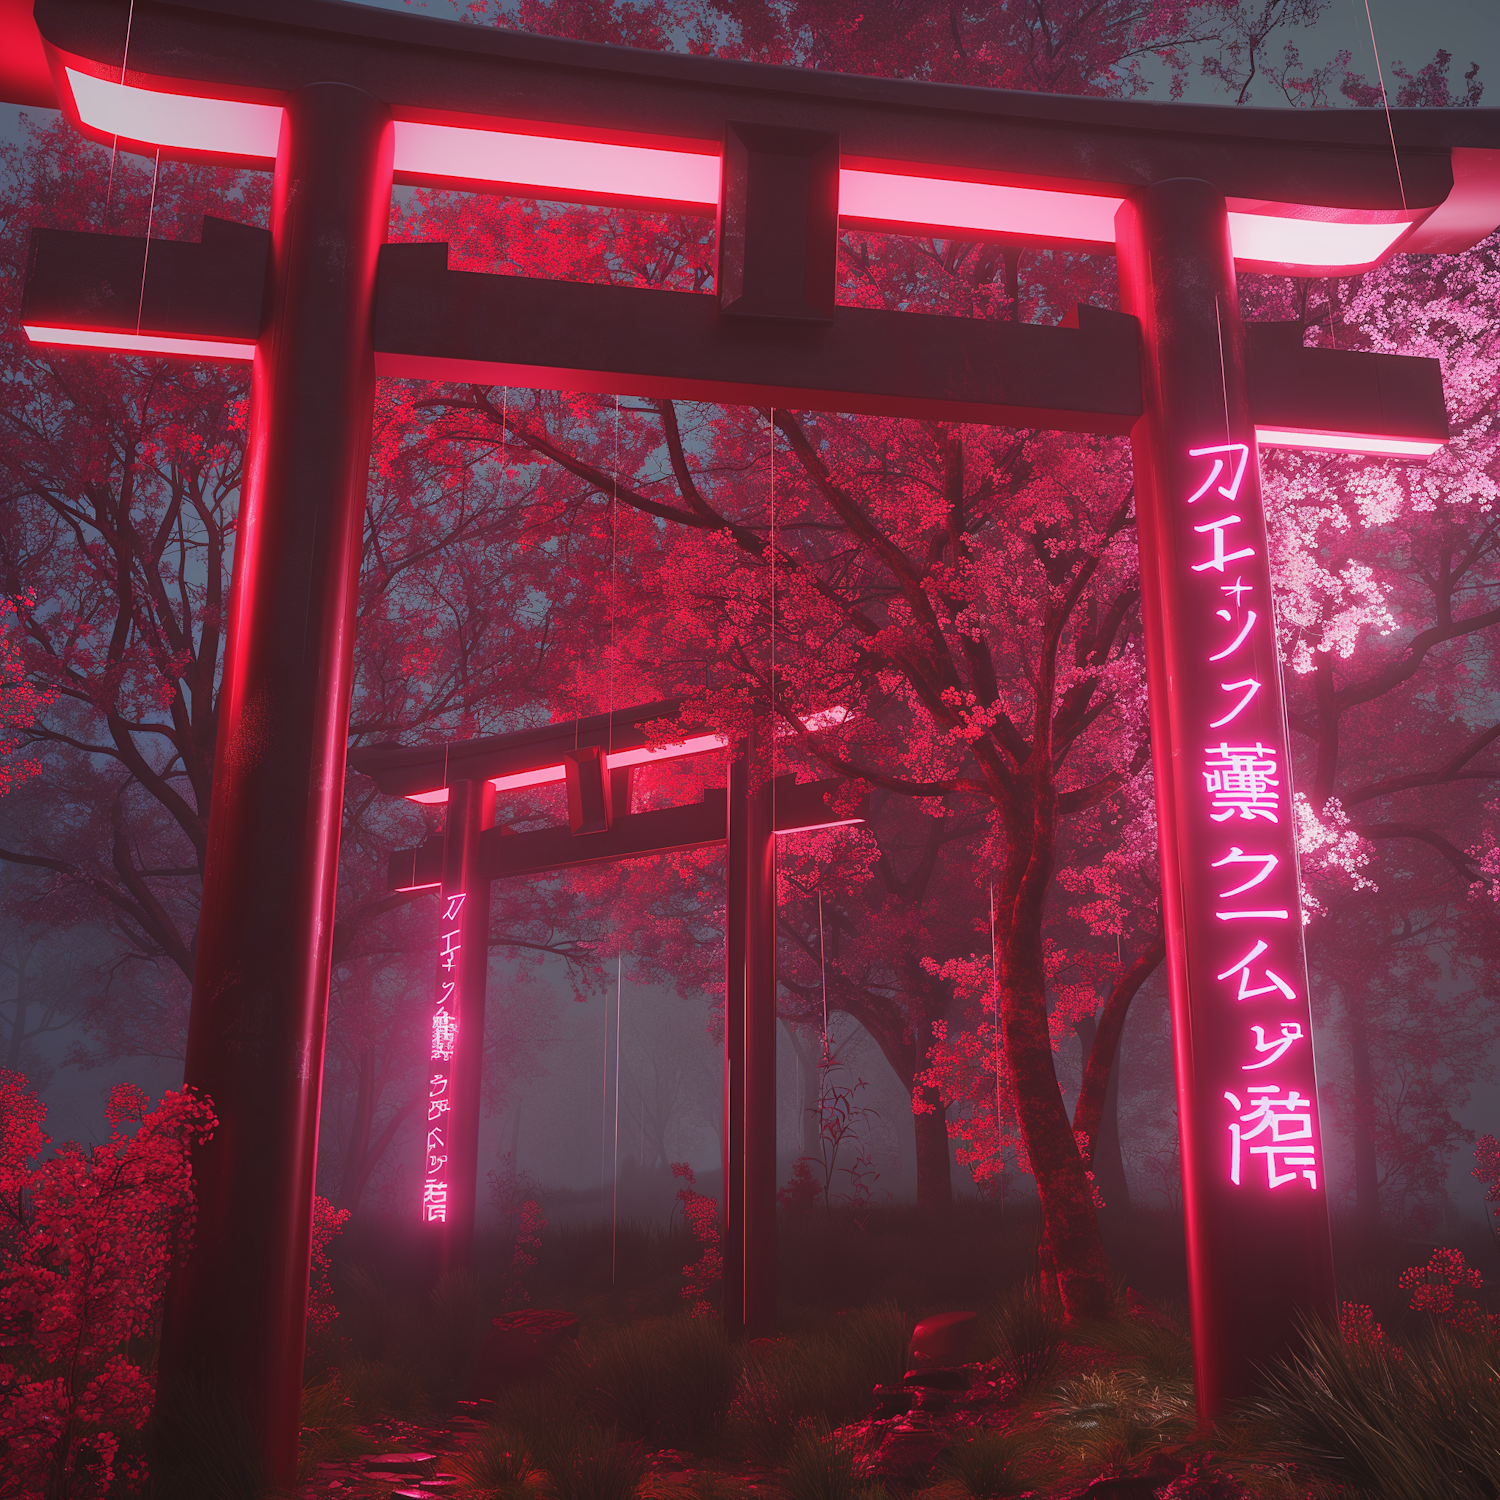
826,1465
590,1464
1418,1425
329,1427
987,1465
495,1462
86,1241
1112,1416
669,1383
830,1378
1024,1333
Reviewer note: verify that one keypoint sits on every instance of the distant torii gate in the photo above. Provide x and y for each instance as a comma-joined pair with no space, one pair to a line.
342,101
596,758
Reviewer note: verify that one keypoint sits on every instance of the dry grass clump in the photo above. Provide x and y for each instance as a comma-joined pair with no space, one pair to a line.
492,1465
828,1379
823,1464
1392,1423
989,1465
1111,1417
1020,1329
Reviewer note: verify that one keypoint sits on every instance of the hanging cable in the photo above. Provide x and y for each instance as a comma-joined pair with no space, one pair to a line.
823,974
140,305
995,988
1385,100
614,1217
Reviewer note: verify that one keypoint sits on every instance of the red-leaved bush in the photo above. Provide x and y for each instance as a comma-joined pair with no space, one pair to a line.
702,1213
1447,1287
87,1239
328,1221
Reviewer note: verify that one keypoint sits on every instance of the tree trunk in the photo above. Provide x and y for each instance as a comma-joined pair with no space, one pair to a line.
1096,1114
1104,1159
934,1163
1366,1168
1068,1218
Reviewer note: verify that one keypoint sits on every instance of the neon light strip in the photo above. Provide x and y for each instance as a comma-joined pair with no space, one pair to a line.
227,127
545,775
586,167
1346,442
782,833
138,343
451,153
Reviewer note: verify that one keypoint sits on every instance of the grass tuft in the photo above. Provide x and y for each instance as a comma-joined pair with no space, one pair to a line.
668,1384
1023,1332
1421,1423
492,1465
987,1466
587,1463
826,1465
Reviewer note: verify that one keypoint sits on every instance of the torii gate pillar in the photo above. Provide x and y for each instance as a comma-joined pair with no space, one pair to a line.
237,1310
1254,1193
749,1213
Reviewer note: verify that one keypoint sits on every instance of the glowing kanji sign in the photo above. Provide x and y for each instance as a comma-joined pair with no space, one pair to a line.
1248,917
444,1041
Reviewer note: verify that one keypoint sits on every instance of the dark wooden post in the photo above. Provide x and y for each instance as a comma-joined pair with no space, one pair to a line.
236,1316
749,1215
1254,1195
471,809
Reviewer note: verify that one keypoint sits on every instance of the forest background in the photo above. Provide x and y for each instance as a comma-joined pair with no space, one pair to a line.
966,596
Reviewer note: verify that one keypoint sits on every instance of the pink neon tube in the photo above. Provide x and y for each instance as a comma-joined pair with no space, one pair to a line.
138,343
227,127
1346,442
454,153
459,154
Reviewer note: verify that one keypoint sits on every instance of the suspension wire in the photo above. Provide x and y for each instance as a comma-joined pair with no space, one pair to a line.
823,972
1223,373
604,1108
140,305
114,148
614,1217
995,987
1385,100
614,549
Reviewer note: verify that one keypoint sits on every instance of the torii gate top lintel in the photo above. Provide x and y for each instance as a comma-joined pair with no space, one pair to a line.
1309,190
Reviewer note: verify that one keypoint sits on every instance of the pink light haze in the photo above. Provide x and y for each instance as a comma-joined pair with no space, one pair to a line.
893,199
139,343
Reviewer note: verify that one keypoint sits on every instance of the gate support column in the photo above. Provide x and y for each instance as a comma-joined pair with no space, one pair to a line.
471,809
749,1218
236,1317
1254,1198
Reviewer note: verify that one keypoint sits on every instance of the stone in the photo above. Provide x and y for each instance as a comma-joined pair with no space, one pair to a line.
520,1346
399,1462
943,1339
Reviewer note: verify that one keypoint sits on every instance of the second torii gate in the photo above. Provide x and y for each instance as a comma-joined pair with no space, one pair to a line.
595,759
341,102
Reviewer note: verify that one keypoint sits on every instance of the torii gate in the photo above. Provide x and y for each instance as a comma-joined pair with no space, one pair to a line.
342,101
596,758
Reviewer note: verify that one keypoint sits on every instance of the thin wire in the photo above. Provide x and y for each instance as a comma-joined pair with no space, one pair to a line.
995,986
140,306
614,548
614,1217
604,1108
1223,373
823,973
114,149
1384,99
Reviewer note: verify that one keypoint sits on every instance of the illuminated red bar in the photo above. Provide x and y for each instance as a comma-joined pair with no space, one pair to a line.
140,343
900,196
1346,442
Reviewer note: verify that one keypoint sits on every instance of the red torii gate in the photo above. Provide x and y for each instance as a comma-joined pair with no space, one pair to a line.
341,102
596,758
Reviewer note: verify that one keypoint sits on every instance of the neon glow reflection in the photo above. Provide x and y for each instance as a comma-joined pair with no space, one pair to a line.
1348,442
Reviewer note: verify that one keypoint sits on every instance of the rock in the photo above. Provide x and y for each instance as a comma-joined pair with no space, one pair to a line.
399,1463
520,1347
891,1401
944,1339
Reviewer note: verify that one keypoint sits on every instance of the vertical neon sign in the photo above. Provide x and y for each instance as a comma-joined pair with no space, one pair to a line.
1255,1207
1248,869
444,1044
